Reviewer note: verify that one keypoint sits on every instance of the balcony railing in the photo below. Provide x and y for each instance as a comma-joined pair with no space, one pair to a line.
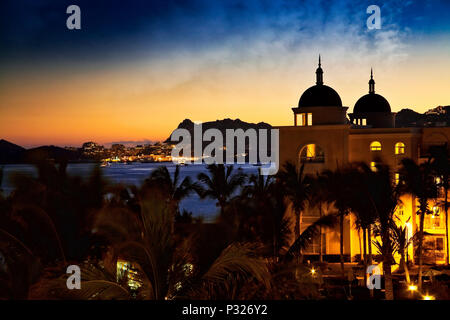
316,159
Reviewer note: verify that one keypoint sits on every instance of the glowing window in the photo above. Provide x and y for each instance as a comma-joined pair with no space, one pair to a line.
304,119
301,119
312,153
399,148
434,221
400,209
397,178
311,150
375,146
364,122
373,166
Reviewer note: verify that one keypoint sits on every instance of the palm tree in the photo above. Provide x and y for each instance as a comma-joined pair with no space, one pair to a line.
441,166
261,211
363,210
175,189
312,231
297,187
317,199
400,244
221,184
99,282
1,180
165,268
418,180
384,196
338,192
39,226
19,266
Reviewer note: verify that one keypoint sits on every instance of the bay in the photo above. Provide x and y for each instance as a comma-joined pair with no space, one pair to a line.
133,174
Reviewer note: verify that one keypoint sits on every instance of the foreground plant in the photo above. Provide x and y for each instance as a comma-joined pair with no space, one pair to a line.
165,267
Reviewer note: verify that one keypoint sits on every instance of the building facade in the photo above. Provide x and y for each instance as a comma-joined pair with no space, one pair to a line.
323,137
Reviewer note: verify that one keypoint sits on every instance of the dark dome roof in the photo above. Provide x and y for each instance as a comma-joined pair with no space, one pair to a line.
320,96
372,102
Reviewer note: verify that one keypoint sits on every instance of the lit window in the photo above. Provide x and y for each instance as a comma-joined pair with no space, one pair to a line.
312,153
309,119
397,178
361,122
434,221
399,148
301,119
375,146
373,166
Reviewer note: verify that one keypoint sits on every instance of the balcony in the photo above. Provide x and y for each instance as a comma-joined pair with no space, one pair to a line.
317,159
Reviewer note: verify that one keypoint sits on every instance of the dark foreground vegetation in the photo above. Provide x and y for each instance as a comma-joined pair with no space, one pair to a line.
134,243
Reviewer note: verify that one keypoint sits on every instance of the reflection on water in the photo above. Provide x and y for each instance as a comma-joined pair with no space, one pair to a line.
132,174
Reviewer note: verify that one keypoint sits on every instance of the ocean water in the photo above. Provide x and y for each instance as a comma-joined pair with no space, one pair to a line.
133,174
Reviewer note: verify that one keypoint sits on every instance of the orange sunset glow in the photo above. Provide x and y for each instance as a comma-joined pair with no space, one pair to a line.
134,96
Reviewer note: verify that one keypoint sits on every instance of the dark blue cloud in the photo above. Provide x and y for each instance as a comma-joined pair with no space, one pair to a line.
116,29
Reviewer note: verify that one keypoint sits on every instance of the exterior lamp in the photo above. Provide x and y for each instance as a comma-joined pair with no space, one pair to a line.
428,297
313,271
435,211
412,288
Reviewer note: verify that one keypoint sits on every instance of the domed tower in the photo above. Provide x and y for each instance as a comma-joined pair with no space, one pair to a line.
319,105
372,110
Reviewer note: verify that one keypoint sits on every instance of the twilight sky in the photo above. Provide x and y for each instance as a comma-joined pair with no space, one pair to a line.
137,68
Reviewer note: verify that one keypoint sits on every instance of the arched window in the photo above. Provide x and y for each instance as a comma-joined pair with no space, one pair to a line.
312,153
399,148
375,146
373,166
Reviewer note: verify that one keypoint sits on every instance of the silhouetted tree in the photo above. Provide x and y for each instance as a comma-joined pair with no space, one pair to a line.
441,166
221,184
338,193
297,188
166,269
418,180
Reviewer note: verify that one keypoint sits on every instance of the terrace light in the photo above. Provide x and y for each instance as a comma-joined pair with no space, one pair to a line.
412,287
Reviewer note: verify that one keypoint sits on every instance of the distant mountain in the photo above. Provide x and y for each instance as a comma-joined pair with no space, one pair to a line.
436,117
49,153
222,125
10,152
